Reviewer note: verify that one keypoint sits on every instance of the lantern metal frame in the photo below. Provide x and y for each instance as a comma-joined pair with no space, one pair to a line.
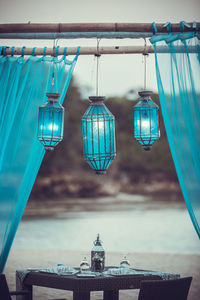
95,158
146,140
51,141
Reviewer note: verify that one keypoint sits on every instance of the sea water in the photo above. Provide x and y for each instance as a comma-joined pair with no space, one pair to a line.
134,225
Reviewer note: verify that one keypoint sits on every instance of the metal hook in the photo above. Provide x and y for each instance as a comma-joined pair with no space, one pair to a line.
169,26
98,54
54,48
145,52
182,24
56,42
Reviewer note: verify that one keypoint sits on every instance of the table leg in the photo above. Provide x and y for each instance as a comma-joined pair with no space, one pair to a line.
111,295
24,288
81,295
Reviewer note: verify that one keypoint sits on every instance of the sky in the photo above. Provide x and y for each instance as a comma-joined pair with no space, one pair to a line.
118,74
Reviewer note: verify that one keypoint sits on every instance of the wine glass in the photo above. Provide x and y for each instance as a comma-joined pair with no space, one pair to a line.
84,265
60,268
124,263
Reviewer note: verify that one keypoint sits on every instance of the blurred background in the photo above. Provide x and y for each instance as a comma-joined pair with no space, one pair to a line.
65,174
140,193
137,207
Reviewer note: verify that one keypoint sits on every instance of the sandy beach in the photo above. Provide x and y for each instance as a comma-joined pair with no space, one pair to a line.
183,264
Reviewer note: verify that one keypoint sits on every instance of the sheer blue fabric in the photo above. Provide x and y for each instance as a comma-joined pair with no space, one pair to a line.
178,79
23,86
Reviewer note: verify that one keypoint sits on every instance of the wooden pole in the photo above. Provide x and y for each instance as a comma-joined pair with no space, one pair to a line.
90,27
74,35
102,50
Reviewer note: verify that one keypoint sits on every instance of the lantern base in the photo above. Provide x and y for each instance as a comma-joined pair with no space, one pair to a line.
48,148
147,147
99,172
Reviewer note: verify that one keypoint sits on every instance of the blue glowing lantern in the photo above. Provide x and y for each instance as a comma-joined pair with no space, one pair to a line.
51,122
98,129
146,120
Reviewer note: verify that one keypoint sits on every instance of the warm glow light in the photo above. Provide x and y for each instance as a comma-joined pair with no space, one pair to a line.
98,125
145,123
101,124
52,126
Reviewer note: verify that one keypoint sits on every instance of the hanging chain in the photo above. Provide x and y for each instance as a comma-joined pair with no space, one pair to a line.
145,72
53,75
92,79
54,81
52,84
97,70
145,54
97,77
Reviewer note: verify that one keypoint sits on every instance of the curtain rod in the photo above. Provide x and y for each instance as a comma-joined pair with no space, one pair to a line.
75,35
92,27
102,50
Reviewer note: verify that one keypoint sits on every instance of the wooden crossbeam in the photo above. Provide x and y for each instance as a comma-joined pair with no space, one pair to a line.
101,50
90,27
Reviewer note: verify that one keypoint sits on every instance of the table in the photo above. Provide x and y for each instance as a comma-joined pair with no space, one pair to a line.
81,287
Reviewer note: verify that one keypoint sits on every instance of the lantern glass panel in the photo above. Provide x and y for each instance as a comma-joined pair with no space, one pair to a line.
146,122
50,124
98,131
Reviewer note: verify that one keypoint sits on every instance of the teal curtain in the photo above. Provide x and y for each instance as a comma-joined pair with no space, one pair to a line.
178,80
23,87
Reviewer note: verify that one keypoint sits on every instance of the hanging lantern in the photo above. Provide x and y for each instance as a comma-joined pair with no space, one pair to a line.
51,122
98,129
146,120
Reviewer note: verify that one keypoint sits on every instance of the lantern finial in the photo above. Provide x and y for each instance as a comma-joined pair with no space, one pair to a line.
145,93
53,96
95,99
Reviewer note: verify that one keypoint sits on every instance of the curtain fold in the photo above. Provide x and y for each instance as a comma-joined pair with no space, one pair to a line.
23,86
178,80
